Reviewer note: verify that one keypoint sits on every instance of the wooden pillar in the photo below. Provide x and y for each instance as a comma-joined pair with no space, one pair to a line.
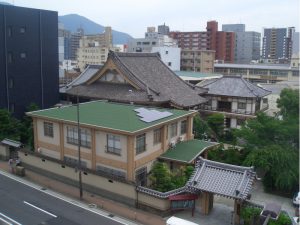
94,155
190,134
207,202
205,154
237,212
61,141
130,158
164,138
35,133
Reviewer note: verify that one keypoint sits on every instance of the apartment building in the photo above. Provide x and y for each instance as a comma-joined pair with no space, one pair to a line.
247,43
28,58
235,97
211,39
93,49
278,43
116,139
197,60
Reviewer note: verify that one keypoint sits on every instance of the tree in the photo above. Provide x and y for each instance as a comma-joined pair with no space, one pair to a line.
161,177
9,126
273,144
164,180
26,129
201,128
216,124
289,103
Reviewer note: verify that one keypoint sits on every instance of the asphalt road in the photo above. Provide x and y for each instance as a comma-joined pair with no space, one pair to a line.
24,205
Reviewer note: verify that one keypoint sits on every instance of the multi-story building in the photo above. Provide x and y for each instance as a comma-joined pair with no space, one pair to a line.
74,43
296,49
247,43
170,56
28,58
93,49
277,43
156,42
197,60
233,96
116,139
259,73
163,29
61,48
211,39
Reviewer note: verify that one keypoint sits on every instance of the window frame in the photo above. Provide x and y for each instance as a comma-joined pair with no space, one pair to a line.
48,129
242,103
113,149
183,124
85,136
140,147
157,136
173,132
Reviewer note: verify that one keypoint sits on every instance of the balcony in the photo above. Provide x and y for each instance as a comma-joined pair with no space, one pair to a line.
226,110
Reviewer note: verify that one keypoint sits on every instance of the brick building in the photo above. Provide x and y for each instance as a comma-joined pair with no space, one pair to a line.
211,39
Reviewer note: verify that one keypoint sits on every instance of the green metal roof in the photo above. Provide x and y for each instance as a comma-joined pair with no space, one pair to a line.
187,151
116,116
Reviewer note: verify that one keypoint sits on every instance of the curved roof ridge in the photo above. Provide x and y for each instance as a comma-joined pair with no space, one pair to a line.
116,56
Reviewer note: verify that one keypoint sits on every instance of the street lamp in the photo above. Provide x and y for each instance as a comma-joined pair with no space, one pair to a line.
79,154
79,144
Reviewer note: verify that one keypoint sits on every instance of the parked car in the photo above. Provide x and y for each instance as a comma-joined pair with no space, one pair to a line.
296,199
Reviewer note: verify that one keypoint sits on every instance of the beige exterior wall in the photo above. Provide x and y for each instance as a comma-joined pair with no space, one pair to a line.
115,187
101,142
128,162
197,60
46,139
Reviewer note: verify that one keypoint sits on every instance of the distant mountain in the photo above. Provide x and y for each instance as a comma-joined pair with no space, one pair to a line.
5,3
73,21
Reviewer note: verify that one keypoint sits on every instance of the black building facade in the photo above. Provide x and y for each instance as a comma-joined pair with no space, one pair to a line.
28,58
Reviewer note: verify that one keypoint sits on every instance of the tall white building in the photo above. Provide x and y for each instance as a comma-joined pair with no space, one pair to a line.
61,48
155,42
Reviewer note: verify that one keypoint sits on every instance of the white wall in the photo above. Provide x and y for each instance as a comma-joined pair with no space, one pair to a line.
169,55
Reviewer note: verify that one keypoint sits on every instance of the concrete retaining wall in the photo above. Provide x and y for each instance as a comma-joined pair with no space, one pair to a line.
108,188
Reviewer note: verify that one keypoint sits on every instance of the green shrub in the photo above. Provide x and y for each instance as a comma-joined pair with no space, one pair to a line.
250,213
283,219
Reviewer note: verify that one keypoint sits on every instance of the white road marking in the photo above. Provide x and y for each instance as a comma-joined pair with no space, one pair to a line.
1,214
40,209
64,198
4,221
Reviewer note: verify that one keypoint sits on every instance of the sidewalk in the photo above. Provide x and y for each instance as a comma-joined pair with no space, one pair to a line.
110,206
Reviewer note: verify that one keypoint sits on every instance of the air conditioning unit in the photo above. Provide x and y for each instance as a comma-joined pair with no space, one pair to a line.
172,144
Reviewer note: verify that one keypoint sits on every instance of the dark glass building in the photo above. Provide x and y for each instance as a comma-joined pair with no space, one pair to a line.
28,58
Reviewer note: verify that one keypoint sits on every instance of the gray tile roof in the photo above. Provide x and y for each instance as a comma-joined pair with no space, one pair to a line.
235,86
157,83
222,179
214,177
90,71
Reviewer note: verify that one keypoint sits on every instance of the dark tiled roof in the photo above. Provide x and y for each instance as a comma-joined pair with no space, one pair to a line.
222,179
214,177
233,86
156,81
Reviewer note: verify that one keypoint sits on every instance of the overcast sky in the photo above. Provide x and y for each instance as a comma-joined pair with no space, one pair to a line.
134,16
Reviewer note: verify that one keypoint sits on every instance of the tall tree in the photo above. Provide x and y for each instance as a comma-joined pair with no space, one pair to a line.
26,128
273,143
9,126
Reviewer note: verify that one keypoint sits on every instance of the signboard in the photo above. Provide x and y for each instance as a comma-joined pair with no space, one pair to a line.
179,202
